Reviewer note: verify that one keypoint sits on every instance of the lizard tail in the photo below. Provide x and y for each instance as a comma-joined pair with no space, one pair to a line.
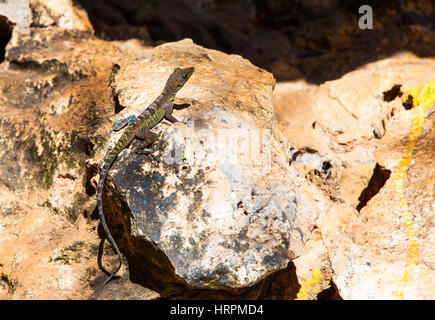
103,175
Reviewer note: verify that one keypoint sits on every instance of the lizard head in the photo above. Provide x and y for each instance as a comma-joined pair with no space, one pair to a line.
179,77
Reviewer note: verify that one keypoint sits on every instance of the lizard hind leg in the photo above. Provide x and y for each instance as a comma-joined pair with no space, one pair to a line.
142,134
149,138
119,124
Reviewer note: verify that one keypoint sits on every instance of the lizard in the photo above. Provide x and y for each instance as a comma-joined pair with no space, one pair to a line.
139,128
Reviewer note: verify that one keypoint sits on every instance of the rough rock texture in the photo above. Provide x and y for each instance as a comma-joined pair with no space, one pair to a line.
55,105
223,207
334,126
342,124
371,254
54,98
299,193
41,14
313,268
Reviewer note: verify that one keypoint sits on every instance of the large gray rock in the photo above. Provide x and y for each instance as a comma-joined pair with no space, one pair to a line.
223,209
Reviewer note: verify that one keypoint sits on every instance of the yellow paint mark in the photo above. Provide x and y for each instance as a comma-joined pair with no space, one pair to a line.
356,212
423,98
308,288
422,94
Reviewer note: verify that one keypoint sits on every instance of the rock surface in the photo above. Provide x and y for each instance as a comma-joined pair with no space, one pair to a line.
223,206
362,136
373,252
286,191
54,93
334,127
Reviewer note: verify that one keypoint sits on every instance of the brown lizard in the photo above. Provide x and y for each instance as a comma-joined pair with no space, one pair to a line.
140,129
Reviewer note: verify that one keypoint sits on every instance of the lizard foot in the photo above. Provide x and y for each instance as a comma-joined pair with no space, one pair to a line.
151,152
141,150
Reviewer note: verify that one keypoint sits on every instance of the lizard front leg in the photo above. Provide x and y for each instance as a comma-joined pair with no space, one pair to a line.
173,106
143,134
171,118
149,138
181,106
168,114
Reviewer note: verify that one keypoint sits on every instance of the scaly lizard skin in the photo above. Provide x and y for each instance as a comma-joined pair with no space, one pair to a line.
140,129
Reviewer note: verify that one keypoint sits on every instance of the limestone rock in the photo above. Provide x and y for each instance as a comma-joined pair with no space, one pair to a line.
334,130
340,121
313,268
17,12
64,14
52,13
223,206
53,100
236,208
370,256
